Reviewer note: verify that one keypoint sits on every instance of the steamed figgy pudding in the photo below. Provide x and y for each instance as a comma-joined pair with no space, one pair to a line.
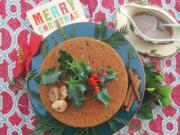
86,84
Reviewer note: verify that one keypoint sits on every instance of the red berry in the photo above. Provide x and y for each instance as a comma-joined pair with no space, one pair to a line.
94,83
104,74
98,80
97,89
95,75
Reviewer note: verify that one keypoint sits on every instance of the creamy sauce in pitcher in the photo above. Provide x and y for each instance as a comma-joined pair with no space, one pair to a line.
149,25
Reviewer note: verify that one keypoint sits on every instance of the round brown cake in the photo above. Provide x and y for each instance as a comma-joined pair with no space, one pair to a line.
99,56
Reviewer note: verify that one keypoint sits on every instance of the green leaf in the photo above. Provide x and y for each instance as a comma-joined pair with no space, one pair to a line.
150,89
73,33
80,69
145,111
159,78
115,40
124,122
93,131
62,33
104,97
44,49
112,125
165,91
103,29
50,76
76,92
110,76
149,66
131,27
64,59
81,131
32,74
165,101
97,31
154,52
124,30
131,53
48,125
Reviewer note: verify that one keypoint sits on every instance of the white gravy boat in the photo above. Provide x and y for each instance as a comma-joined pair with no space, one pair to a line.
130,9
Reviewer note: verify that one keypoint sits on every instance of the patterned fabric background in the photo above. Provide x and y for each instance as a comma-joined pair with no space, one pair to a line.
16,113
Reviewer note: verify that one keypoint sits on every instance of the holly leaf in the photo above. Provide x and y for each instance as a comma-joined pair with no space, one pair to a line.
76,92
149,66
165,91
159,78
103,96
145,111
150,89
64,59
165,101
79,69
50,76
110,76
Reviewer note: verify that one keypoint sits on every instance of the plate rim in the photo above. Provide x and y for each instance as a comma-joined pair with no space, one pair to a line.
138,57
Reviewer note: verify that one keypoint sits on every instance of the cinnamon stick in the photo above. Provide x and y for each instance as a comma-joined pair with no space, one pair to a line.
130,91
134,83
127,108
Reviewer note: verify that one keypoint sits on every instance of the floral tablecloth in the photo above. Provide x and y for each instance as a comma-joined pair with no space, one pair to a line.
16,113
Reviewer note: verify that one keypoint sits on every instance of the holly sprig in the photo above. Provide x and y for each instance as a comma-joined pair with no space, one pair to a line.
79,74
155,93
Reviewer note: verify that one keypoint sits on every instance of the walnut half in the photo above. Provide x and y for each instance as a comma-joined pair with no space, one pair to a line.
54,94
59,105
63,93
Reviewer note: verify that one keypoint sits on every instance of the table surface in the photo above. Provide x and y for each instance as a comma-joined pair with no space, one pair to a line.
16,113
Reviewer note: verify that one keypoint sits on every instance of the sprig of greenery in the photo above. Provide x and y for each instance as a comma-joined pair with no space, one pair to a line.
62,33
50,76
132,53
116,120
110,76
49,125
100,30
115,40
155,93
124,30
64,59
65,36
44,49
86,131
78,69
103,96
76,92
154,53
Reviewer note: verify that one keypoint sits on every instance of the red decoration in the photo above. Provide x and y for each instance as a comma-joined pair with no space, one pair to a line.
94,79
25,53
